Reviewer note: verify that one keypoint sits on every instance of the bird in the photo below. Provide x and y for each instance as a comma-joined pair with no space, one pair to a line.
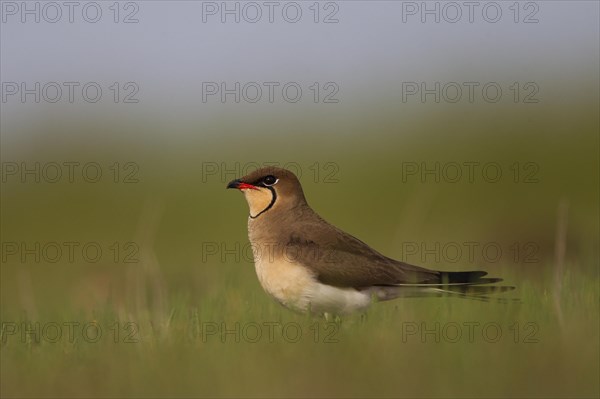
310,266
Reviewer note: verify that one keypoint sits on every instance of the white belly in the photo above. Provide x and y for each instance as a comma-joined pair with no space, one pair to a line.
295,287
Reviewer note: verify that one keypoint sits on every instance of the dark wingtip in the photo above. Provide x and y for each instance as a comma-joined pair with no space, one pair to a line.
474,277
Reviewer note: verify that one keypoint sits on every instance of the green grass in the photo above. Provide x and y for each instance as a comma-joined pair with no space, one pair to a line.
185,351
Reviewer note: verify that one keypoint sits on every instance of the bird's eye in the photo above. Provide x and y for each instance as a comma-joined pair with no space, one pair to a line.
270,180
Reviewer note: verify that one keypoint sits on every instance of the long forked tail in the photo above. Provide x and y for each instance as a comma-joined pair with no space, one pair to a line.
472,285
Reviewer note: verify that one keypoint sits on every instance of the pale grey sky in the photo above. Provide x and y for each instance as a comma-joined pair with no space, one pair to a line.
372,48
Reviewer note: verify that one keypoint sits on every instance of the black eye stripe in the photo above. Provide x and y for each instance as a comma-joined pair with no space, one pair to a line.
266,181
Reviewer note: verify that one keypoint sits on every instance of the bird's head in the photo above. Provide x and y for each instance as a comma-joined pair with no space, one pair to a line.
269,189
